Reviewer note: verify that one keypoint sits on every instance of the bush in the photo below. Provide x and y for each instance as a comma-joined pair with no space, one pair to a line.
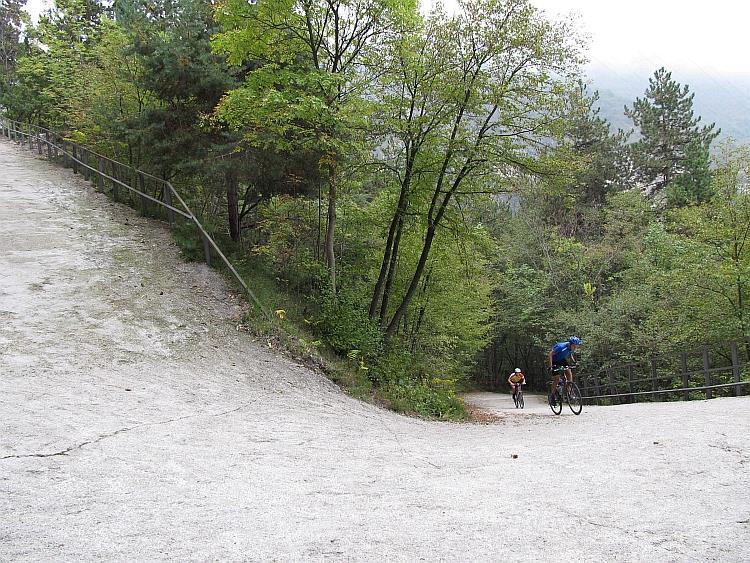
347,327
430,397
189,241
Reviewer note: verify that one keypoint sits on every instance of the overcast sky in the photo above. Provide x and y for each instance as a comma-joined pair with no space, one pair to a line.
673,33
646,34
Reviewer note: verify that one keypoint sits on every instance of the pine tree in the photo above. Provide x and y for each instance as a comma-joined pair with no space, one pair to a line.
671,139
606,161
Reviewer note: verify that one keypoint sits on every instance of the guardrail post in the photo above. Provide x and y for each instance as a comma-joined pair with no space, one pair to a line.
685,376
206,249
736,367
142,188
167,189
706,373
612,388
74,158
117,175
100,176
630,379
86,158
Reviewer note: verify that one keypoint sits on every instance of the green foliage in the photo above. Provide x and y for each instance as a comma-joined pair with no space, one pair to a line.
478,207
672,144
431,398
345,326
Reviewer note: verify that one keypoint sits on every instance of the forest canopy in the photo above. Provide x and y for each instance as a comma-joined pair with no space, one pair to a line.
431,197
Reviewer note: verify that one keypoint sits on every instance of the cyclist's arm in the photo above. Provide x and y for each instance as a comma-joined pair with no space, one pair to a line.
549,363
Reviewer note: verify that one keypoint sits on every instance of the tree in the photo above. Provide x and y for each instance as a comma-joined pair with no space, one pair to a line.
710,283
313,59
672,143
60,46
483,103
184,78
10,31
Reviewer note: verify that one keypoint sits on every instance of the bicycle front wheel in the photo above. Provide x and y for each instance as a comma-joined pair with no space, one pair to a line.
520,400
556,406
575,402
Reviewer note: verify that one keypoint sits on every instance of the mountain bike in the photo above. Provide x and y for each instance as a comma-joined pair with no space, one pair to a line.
518,397
568,392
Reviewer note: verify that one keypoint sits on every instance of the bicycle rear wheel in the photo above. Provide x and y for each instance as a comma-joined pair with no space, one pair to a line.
557,406
575,402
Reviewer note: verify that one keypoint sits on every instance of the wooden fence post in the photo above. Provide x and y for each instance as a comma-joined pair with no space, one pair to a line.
39,142
736,367
630,381
30,139
596,385
49,145
74,157
612,388
85,158
100,176
116,174
685,376
706,373
142,188
168,200
206,249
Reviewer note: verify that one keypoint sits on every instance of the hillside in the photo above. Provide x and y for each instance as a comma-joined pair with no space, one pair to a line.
719,99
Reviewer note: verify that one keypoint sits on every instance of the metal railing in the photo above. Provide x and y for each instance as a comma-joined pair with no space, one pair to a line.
104,170
702,372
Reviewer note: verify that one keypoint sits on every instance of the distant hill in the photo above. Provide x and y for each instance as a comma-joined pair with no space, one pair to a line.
724,100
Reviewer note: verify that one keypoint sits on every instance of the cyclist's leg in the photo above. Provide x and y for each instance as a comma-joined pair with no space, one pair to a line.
569,376
555,381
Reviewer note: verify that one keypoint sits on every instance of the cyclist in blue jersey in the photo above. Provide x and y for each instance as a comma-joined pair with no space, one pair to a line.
562,354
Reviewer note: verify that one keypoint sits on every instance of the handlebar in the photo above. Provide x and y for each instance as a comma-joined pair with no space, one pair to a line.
563,368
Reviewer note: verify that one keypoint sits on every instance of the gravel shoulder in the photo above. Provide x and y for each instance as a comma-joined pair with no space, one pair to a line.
137,423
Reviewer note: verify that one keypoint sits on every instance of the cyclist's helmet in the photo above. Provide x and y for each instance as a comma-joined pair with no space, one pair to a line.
518,370
574,340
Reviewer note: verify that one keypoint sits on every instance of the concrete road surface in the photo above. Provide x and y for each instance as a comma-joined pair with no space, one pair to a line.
137,424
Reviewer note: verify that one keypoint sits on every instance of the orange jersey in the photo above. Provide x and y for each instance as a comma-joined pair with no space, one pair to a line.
516,377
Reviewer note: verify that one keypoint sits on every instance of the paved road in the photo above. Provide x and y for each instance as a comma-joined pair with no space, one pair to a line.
136,423
501,404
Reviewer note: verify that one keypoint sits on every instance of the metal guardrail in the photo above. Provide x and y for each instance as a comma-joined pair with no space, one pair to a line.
104,169
689,372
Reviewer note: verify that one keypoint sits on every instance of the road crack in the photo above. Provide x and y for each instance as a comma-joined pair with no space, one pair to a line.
101,437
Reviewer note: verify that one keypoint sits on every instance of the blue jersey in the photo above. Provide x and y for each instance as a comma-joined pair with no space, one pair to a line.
561,352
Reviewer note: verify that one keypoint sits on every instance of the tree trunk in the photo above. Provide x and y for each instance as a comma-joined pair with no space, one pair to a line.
233,208
391,246
391,330
330,232
391,271
377,292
